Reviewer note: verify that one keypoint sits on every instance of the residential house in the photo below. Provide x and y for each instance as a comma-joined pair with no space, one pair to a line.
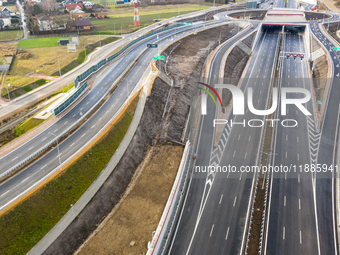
77,14
101,15
6,18
73,6
31,2
77,25
1,3
6,10
88,5
46,23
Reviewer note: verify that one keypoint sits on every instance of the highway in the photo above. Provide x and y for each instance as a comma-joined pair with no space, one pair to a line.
99,54
25,179
327,154
292,222
302,212
212,219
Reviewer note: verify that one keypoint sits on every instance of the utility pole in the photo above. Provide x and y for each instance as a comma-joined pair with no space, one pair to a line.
59,64
121,31
114,28
8,85
58,151
127,88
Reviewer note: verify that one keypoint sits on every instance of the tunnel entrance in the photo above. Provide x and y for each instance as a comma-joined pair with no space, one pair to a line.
287,28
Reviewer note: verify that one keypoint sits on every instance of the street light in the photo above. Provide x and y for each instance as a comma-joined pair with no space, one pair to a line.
85,49
9,97
58,151
127,87
72,210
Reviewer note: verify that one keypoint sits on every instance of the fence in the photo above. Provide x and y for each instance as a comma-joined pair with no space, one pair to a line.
70,100
103,62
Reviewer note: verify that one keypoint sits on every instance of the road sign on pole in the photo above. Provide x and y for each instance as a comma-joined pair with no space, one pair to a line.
159,58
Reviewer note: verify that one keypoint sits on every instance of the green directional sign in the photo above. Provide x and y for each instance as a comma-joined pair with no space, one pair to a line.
158,58
320,102
187,23
336,48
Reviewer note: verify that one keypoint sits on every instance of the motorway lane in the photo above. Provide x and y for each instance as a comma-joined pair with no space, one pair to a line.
39,169
212,220
292,222
327,154
102,82
68,78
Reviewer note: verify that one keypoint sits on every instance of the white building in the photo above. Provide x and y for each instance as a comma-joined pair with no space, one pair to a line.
45,23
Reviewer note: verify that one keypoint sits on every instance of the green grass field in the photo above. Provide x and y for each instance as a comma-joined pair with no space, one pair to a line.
41,42
10,35
27,223
124,21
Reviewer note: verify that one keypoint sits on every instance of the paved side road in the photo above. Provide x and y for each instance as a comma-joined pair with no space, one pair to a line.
102,52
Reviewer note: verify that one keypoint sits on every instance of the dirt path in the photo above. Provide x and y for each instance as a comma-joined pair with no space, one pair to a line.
128,228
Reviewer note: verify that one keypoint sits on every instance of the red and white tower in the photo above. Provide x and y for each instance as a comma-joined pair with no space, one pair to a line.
136,21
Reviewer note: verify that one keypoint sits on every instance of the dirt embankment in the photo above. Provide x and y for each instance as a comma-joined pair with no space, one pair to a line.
256,15
317,15
152,126
332,30
128,228
315,44
235,64
185,67
319,67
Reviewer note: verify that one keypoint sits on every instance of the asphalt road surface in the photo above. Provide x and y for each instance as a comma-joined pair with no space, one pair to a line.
25,179
292,222
212,219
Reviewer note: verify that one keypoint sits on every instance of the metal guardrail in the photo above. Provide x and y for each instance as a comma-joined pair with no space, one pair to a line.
21,163
68,159
65,131
59,109
103,62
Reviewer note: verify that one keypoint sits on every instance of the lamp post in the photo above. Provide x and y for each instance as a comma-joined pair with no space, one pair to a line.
84,49
9,97
58,151
72,210
59,66
127,87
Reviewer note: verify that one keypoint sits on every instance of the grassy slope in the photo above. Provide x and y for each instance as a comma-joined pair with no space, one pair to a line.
30,221
41,42
10,35
27,125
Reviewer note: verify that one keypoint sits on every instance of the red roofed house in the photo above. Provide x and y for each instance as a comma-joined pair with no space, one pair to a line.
31,2
73,6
